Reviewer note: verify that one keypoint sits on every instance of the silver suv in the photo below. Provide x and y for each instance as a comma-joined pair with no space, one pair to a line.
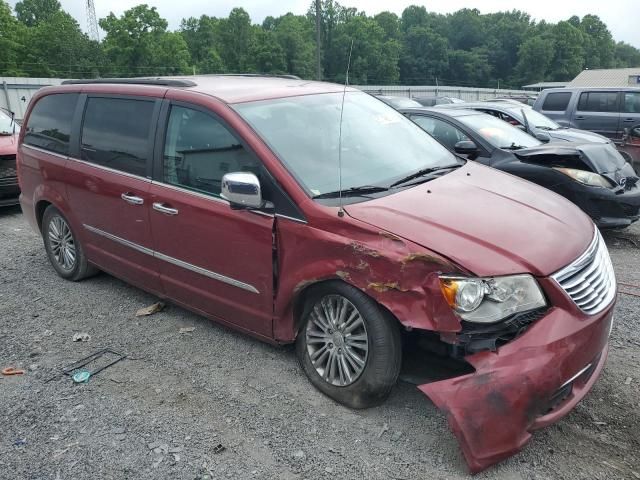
607,111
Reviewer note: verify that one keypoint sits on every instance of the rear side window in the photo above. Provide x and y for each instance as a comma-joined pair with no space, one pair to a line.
445,133
49,124
199,150
598,102
632,102
556,102
115,134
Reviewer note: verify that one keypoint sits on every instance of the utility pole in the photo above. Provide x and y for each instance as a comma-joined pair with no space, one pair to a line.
92,22
318,42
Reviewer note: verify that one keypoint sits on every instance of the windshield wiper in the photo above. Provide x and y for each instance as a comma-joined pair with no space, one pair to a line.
422,173
353,191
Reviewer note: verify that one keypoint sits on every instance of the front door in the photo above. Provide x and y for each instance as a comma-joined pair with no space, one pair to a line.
212,258
108,187
598,112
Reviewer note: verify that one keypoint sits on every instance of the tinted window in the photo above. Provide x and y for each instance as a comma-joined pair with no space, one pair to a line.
445,133
49,124
199,150
557,102
598,102
115,133
632,102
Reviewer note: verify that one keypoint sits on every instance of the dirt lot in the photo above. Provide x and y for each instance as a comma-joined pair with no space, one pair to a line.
162,412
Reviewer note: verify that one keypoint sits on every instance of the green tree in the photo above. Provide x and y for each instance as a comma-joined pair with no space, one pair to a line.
137,43
534,59
11,42
35,12
424,57
295,36
568,59
626,55
236,37
599,45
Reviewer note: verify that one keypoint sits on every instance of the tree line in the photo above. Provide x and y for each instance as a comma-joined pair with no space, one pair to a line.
465,48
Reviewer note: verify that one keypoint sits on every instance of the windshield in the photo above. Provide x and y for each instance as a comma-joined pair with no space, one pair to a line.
535,119
379,145
499,133
6,125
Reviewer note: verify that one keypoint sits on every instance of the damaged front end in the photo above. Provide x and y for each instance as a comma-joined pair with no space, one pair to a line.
595,177
532,368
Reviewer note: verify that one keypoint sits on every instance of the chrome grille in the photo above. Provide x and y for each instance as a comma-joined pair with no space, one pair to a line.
590,280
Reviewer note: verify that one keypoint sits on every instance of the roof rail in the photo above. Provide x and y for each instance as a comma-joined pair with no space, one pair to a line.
274,75
164,82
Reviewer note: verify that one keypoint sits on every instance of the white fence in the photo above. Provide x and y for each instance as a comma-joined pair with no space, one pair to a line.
464,93
17,92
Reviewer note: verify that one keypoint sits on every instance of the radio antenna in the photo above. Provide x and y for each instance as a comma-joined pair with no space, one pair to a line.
344,93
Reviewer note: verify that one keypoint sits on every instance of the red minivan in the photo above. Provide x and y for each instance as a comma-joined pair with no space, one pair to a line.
299,211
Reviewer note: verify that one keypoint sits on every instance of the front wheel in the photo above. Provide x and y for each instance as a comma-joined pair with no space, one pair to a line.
348,346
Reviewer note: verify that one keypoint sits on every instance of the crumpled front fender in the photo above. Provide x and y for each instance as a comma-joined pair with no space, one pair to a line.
523,386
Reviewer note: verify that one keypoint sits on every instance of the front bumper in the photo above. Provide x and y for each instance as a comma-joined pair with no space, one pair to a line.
605,207
9,191
527,384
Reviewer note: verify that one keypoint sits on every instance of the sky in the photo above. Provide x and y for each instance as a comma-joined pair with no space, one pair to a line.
619,15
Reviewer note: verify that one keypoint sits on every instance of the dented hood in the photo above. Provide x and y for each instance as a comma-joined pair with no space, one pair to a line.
575,135
598,157
486,221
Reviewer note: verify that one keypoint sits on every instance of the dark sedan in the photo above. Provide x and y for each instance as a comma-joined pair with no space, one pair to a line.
532,122
593,176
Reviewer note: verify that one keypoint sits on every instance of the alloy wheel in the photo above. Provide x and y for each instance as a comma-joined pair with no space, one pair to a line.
337,342
62,244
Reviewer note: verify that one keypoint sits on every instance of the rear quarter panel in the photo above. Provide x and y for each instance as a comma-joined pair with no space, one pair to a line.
42,179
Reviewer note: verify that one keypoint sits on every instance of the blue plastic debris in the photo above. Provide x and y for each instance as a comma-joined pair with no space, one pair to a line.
81,376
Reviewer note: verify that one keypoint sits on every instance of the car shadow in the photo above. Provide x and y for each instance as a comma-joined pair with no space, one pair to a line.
12,210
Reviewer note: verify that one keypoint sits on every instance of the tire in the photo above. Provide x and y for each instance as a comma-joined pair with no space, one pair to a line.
59,238
354,384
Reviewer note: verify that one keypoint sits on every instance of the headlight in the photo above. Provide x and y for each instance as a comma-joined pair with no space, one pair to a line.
488,300
587,178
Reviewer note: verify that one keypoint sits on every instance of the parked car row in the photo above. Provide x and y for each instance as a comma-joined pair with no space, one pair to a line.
593,175
310,213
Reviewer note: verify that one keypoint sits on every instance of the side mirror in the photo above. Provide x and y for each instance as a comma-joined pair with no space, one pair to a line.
543,137
466,147
242,190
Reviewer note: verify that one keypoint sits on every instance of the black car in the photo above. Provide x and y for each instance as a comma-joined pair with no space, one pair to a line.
593,176
533,122
9,189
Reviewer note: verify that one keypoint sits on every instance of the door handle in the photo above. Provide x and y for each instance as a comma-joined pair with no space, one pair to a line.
579,118
162,208
632,119
132,199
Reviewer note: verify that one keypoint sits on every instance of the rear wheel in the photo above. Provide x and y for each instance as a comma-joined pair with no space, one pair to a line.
63,248
348,346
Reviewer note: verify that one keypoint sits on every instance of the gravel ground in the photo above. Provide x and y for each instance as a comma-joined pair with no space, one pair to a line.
162,412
